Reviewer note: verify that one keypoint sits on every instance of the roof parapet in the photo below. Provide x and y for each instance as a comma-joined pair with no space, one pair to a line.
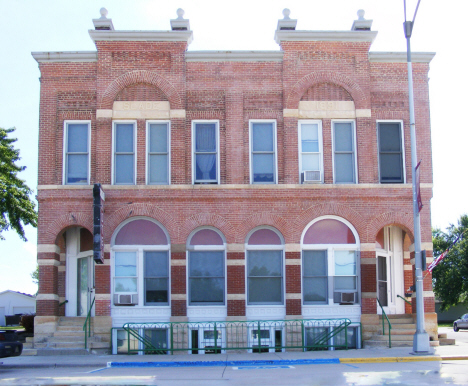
103,23
361,24
286,24
180,24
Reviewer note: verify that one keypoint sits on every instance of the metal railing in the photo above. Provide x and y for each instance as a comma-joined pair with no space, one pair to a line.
401,297
222,336
383,325
87,325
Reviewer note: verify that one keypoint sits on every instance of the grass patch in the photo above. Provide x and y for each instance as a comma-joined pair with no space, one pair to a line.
445,325
12,328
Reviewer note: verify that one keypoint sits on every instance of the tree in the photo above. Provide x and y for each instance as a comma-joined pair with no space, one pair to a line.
450,277
35,275
16,207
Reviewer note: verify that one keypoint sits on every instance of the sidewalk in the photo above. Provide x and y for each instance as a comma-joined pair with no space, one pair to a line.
374,355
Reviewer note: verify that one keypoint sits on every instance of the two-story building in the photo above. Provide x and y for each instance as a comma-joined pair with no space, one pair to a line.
258,190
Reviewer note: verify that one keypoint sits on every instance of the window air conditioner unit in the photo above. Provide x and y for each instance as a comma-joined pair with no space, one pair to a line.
348,297
125,300
312,176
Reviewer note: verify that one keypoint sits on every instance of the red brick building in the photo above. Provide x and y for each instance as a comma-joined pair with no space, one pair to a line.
237,185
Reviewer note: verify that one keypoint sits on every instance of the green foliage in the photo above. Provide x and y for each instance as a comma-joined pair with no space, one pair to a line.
27,321
450,277
35,275
16,207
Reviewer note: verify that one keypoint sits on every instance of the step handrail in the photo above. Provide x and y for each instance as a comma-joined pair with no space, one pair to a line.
383,325
87,326
401,297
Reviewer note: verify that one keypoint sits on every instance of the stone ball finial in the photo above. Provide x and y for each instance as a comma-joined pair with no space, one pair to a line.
286,13
180,14
103,11
361,14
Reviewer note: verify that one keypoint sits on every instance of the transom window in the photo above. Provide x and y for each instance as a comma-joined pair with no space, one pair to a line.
310,151
263,152
158,145
344,152
206,268
205,152
124,153
265,260
76,152
391,155
330,263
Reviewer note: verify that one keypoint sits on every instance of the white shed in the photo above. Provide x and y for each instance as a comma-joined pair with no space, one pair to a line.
12,302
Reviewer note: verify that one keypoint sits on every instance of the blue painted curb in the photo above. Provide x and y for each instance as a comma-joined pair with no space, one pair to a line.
283,362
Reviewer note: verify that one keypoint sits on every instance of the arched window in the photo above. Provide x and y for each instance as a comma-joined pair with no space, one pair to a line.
265,272
206,267
330,262
140,251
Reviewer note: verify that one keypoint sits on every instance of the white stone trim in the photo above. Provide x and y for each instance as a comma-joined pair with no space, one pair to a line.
48,248
234,56
107,248
102,296
352,312
400,57
429,260
325,36
47,297
293,296
235,262
363,113
180,113
72,56
150,36
424,246
236,296
368,261
178,263
178,296
103,113
62,268
48,262
235,248
291,113
426,294
292,261
407,267
368,295
63,257
367,247
292,247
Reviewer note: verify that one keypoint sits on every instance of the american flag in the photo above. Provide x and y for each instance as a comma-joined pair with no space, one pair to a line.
439,258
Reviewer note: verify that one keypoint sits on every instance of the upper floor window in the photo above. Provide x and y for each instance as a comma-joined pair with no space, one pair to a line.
205,152
76,152
344,152
206,268
265,250
263,163
310,151
391,155
124,153
158,144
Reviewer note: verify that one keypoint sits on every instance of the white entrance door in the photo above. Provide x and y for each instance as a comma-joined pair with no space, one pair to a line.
384,282
85,284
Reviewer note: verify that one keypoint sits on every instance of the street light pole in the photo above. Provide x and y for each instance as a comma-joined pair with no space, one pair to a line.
421,337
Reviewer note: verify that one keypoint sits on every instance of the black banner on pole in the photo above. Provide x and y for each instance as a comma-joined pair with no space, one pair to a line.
98,215
418,186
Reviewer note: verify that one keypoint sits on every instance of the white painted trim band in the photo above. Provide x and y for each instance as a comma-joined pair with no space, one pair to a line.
178,296
48,248
48,262
47,297
235,262
293,296
235,296
292,261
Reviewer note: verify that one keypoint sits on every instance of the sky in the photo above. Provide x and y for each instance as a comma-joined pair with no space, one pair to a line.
62,25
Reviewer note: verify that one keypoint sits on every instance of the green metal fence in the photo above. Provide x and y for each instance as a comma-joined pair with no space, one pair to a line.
227,336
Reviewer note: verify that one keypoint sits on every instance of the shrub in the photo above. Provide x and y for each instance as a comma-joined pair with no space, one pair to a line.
27,321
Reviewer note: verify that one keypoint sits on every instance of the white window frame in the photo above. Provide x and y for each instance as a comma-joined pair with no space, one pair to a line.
331,248
147,166
278,247
135,129
402,134
206,248
353,125
65,150
275,150
320,140
140,249
194,168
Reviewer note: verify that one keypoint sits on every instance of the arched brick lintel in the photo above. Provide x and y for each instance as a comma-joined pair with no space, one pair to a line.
207,219
298,90
262,219
141,76
64,222
402,220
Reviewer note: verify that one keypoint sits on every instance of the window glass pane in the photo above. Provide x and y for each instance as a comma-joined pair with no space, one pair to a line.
343,136
125,284
205,167
391,168
141,232
77,138
316,336
309,137
206,264
264,237
389,137
265,263
345,263
156,264
265,290
124,169
158,138
206,237
157,338
125,263
158,169
315,290
329,232
310,162
344,168
207,290
345,283
340,338
77,168
205,137
124,137
156,291
315,263
263,167
262,137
